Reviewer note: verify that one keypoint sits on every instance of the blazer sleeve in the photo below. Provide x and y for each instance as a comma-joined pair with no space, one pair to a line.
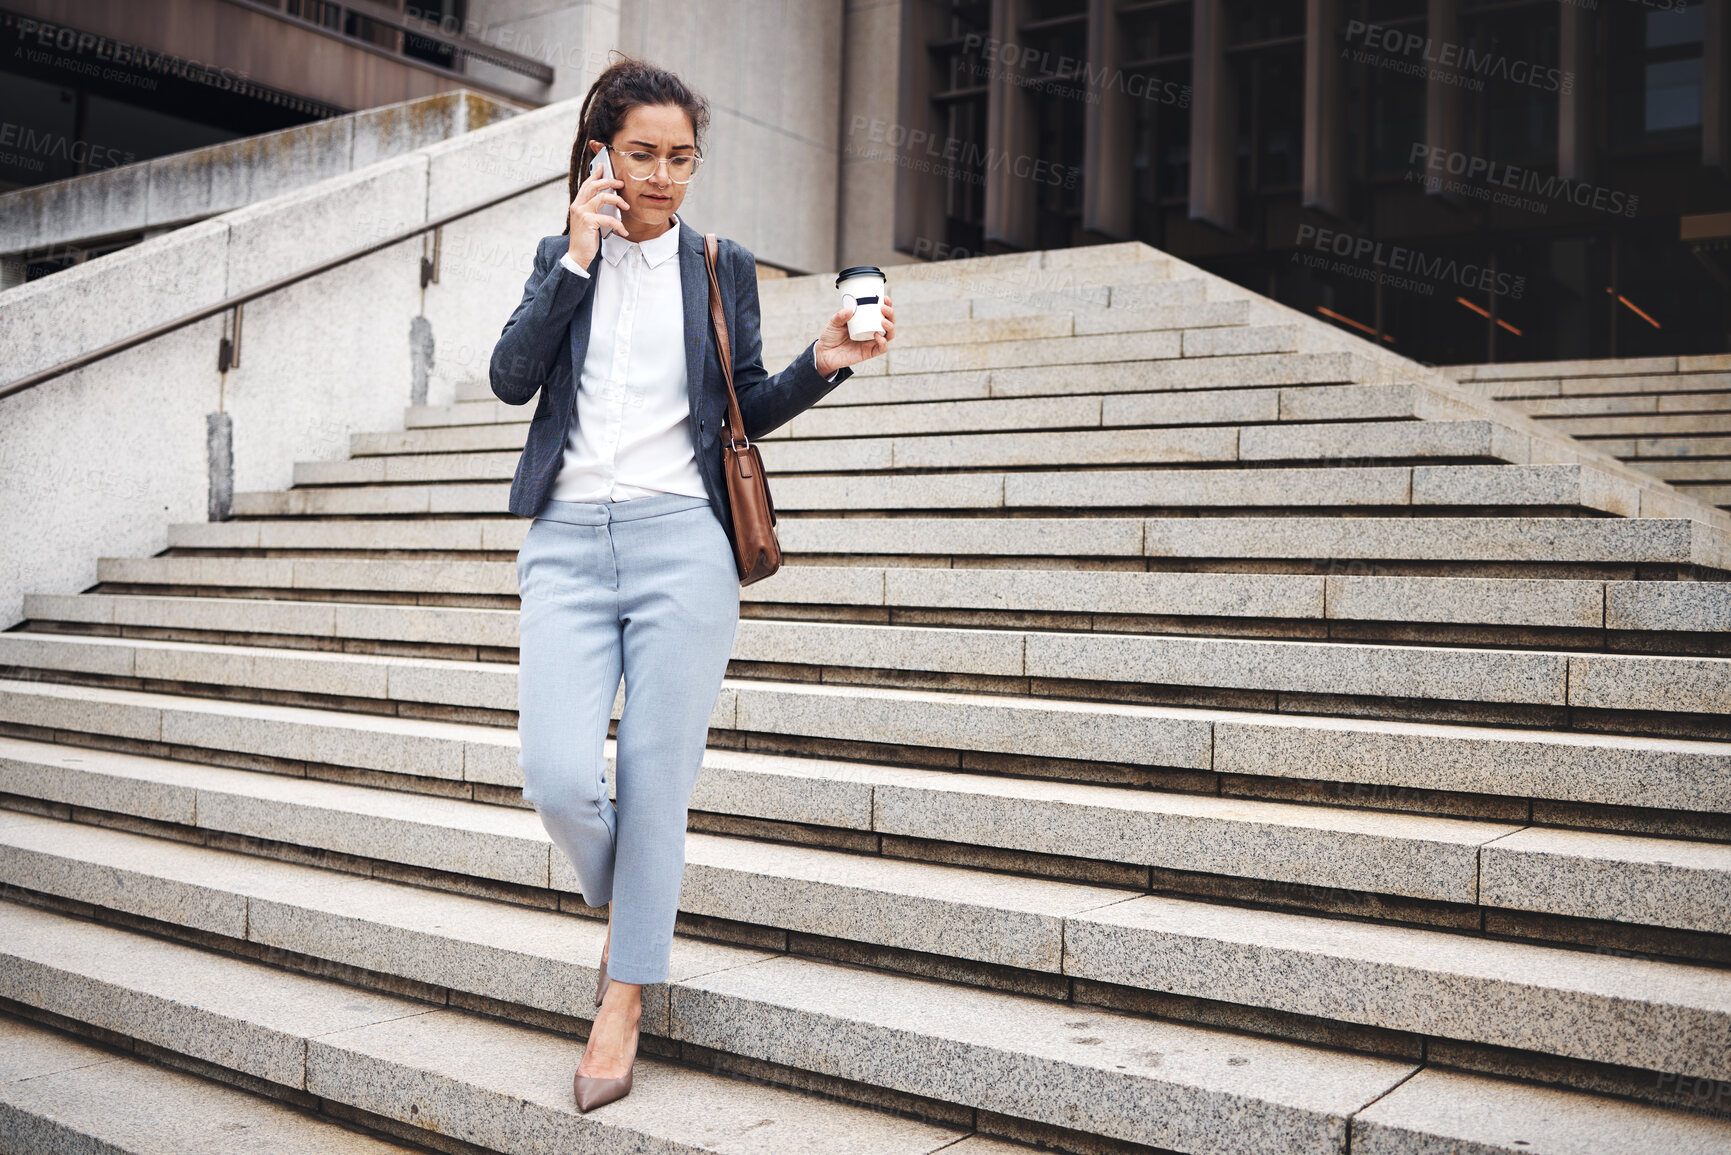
533,339
767,403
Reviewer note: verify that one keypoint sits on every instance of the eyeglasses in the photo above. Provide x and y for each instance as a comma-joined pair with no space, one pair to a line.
642,165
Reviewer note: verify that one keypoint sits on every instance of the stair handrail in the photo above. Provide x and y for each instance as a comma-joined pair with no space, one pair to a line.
266,289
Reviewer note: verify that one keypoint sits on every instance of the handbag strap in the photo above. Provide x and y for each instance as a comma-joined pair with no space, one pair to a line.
735,423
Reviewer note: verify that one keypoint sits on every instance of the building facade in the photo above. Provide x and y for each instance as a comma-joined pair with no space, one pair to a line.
1462,180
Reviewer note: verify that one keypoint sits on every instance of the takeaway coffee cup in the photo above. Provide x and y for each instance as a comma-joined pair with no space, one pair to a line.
863,287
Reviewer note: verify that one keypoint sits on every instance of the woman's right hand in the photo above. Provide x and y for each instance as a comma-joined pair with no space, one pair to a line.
587,219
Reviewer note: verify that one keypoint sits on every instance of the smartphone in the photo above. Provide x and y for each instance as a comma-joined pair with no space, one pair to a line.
603,165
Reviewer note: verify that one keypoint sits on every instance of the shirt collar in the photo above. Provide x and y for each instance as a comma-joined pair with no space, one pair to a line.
614,247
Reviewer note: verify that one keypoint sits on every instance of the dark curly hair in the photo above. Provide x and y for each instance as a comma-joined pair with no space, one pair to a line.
627,83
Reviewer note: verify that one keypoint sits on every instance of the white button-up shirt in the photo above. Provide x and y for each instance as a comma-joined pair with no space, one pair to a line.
632,435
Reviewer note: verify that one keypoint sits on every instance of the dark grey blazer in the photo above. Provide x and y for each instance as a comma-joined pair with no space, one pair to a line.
544,343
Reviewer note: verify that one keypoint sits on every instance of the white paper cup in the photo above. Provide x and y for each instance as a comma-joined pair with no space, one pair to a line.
863,287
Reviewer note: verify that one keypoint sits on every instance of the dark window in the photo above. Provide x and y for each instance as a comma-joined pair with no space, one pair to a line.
1656,77
1511,79
1054,41
1155,42
960,86
317,11
1388,100
1265,51
1252,21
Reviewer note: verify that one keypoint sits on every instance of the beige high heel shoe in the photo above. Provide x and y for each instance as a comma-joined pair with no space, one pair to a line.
594,1090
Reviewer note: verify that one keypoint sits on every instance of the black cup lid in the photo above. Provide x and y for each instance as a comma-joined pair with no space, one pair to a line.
859,271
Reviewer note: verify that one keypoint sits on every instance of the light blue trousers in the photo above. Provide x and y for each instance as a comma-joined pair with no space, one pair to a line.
646,588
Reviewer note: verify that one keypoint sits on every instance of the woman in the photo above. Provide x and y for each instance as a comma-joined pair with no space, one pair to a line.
628,566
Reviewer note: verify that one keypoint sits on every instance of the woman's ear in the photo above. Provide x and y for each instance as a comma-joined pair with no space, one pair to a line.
595,146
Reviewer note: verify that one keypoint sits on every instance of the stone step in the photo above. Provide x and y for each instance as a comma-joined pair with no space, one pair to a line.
1150,345
59,1093
479,631
397,575
1689,473
1053,449
479,412
1588,367
1185,307
1299,403
1012,298
1265,599
1021,659
1062,379
1269,487
1405,856
1494,1115
375,501
1592,386
1707,494
1149,376
506,1087
1677,447
1175,304
1599,1008
1414,759
439,536
1540,541
1087,350
1643,881
1040,291
1293,403
797,295
1647,425
502,1086
1661,447
1312,540
1635,404
449,1073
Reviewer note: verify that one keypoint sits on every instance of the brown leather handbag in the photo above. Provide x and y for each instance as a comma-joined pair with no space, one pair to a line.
757,553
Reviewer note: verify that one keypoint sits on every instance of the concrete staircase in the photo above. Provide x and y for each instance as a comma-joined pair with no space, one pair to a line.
1667,416
1179,727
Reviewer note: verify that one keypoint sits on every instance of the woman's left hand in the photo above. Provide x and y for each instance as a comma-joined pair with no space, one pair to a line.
836,349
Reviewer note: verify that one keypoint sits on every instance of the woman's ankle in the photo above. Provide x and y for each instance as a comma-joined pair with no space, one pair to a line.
629,998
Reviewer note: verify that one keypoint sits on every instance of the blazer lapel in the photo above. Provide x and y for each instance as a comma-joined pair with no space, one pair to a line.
694,288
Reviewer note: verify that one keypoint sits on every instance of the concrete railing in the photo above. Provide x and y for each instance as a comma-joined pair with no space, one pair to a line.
100,460
171,191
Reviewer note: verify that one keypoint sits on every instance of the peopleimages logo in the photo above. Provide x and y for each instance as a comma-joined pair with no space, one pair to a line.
1370,256
1020,61
43,143
1464,58
949,156
116,54
1438,161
